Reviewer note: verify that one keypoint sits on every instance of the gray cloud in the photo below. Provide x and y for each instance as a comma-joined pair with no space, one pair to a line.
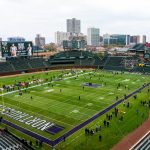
28,17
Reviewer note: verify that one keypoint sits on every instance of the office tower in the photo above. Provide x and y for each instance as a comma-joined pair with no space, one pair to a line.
39,41
60,36
101,39
134,39
93,36
143,39
73,26
116,39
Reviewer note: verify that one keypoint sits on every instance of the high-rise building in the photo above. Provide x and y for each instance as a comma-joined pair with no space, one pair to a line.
143,39
134,39
101,39
93,36
73,26
0,39
116,39
39,41
16,39
60,37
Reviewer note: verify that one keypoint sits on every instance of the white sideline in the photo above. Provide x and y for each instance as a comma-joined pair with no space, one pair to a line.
42,84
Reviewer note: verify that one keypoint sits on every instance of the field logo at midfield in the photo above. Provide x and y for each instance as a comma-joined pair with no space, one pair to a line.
27,119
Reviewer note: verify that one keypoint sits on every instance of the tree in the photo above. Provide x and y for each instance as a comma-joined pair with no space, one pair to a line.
50,47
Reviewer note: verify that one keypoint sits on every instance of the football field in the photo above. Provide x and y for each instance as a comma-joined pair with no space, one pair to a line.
57,101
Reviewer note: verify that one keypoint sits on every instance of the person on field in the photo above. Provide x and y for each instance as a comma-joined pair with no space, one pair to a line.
1,119
128,105
83,87
104,122
116,98
107,123
64,138
100,138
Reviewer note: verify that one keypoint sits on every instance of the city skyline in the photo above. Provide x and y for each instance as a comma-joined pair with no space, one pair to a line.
29,17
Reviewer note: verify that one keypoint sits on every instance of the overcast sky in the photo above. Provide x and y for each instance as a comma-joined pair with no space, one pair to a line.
28,17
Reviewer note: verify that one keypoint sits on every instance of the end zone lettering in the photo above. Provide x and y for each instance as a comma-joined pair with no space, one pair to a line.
26,118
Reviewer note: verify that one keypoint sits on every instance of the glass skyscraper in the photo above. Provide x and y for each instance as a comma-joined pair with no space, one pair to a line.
93,36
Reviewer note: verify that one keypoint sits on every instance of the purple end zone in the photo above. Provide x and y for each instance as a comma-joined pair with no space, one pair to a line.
54,129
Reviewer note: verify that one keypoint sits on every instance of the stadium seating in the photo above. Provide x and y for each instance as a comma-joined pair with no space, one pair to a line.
6,67
114,61
9,142
119,63
80,58
85,62
19,64
142,69
73,54
37,63
70,59
144,144
116,68
138,47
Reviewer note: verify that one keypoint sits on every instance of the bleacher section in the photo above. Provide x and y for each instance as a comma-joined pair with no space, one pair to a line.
137,48
142,69
9,142
123,63
71,59
114,63
19,64
6,67
36,63
73,54
143,144
65,58
77,58
85,62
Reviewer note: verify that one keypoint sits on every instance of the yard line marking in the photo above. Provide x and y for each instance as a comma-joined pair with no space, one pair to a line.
40,115
85,113
43,84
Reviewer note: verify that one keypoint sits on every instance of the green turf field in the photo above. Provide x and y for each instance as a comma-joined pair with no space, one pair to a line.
115,132
57,100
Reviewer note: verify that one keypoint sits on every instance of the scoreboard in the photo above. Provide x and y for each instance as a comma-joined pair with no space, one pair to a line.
21,48
74,44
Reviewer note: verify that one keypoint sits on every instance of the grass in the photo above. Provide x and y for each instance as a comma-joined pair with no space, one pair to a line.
115,132
64,108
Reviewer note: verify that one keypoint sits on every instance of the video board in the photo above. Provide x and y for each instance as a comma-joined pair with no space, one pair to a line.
74,44
15,49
